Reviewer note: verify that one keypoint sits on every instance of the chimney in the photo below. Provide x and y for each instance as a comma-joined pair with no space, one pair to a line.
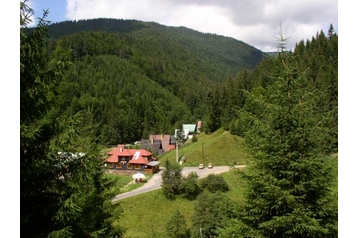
120,148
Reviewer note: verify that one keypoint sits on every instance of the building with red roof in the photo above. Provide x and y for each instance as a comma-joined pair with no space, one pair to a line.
122,158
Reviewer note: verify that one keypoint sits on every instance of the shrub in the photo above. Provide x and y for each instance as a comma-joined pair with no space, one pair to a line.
176,227
189,187
214,183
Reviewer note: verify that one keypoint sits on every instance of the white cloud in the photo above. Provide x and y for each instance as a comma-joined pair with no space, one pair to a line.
255,22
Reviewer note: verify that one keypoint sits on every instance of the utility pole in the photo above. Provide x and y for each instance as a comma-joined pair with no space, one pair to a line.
176,145
177,150
202,151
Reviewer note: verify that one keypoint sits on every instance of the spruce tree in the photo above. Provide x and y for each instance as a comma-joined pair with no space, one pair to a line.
212,212
176,227
172,179
289,184
62,189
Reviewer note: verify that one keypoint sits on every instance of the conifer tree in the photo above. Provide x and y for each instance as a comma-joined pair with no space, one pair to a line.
212,212
289,193
63,192
172,179
214,111
176,227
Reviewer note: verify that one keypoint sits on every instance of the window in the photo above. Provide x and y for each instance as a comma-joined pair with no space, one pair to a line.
137,166
129,166
119,165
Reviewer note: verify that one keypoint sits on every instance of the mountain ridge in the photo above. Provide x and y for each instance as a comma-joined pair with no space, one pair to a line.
114,58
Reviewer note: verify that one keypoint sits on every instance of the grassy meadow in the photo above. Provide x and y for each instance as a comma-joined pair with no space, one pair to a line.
219,148
146,215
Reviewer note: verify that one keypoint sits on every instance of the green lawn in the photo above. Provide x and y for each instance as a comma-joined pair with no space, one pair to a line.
122,182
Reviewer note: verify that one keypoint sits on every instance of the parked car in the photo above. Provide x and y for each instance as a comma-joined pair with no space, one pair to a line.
210,166
201,166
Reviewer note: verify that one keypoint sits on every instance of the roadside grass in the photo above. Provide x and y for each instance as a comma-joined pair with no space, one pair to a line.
146,215
220,148
132,186
123,182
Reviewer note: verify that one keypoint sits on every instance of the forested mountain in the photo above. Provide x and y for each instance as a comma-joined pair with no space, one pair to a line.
316,57
142,77
138,78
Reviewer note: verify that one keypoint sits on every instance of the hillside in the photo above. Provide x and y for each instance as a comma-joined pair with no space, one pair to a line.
219,148
223,52
137,217
138,78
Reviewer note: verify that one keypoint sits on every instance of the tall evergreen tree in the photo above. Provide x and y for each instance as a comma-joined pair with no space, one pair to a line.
62,188
214,111
289,193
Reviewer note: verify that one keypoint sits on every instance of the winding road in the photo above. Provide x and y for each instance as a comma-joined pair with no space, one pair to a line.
156,181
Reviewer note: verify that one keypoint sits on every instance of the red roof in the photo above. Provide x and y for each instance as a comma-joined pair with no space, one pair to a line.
139,160
138,155
112,159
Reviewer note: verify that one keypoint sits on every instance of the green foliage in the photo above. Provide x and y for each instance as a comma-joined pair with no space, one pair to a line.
63,193
194,138
289,184
212,211
172,179
241,124
317,59
176,227
214,183
213,114
189,187
141,78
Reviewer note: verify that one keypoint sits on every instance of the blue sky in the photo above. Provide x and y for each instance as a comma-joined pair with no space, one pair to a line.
57,9
255,22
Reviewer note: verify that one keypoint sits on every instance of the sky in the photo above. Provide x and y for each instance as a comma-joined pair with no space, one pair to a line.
255,22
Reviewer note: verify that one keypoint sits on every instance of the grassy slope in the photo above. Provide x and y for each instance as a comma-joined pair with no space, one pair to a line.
220,148
145,215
